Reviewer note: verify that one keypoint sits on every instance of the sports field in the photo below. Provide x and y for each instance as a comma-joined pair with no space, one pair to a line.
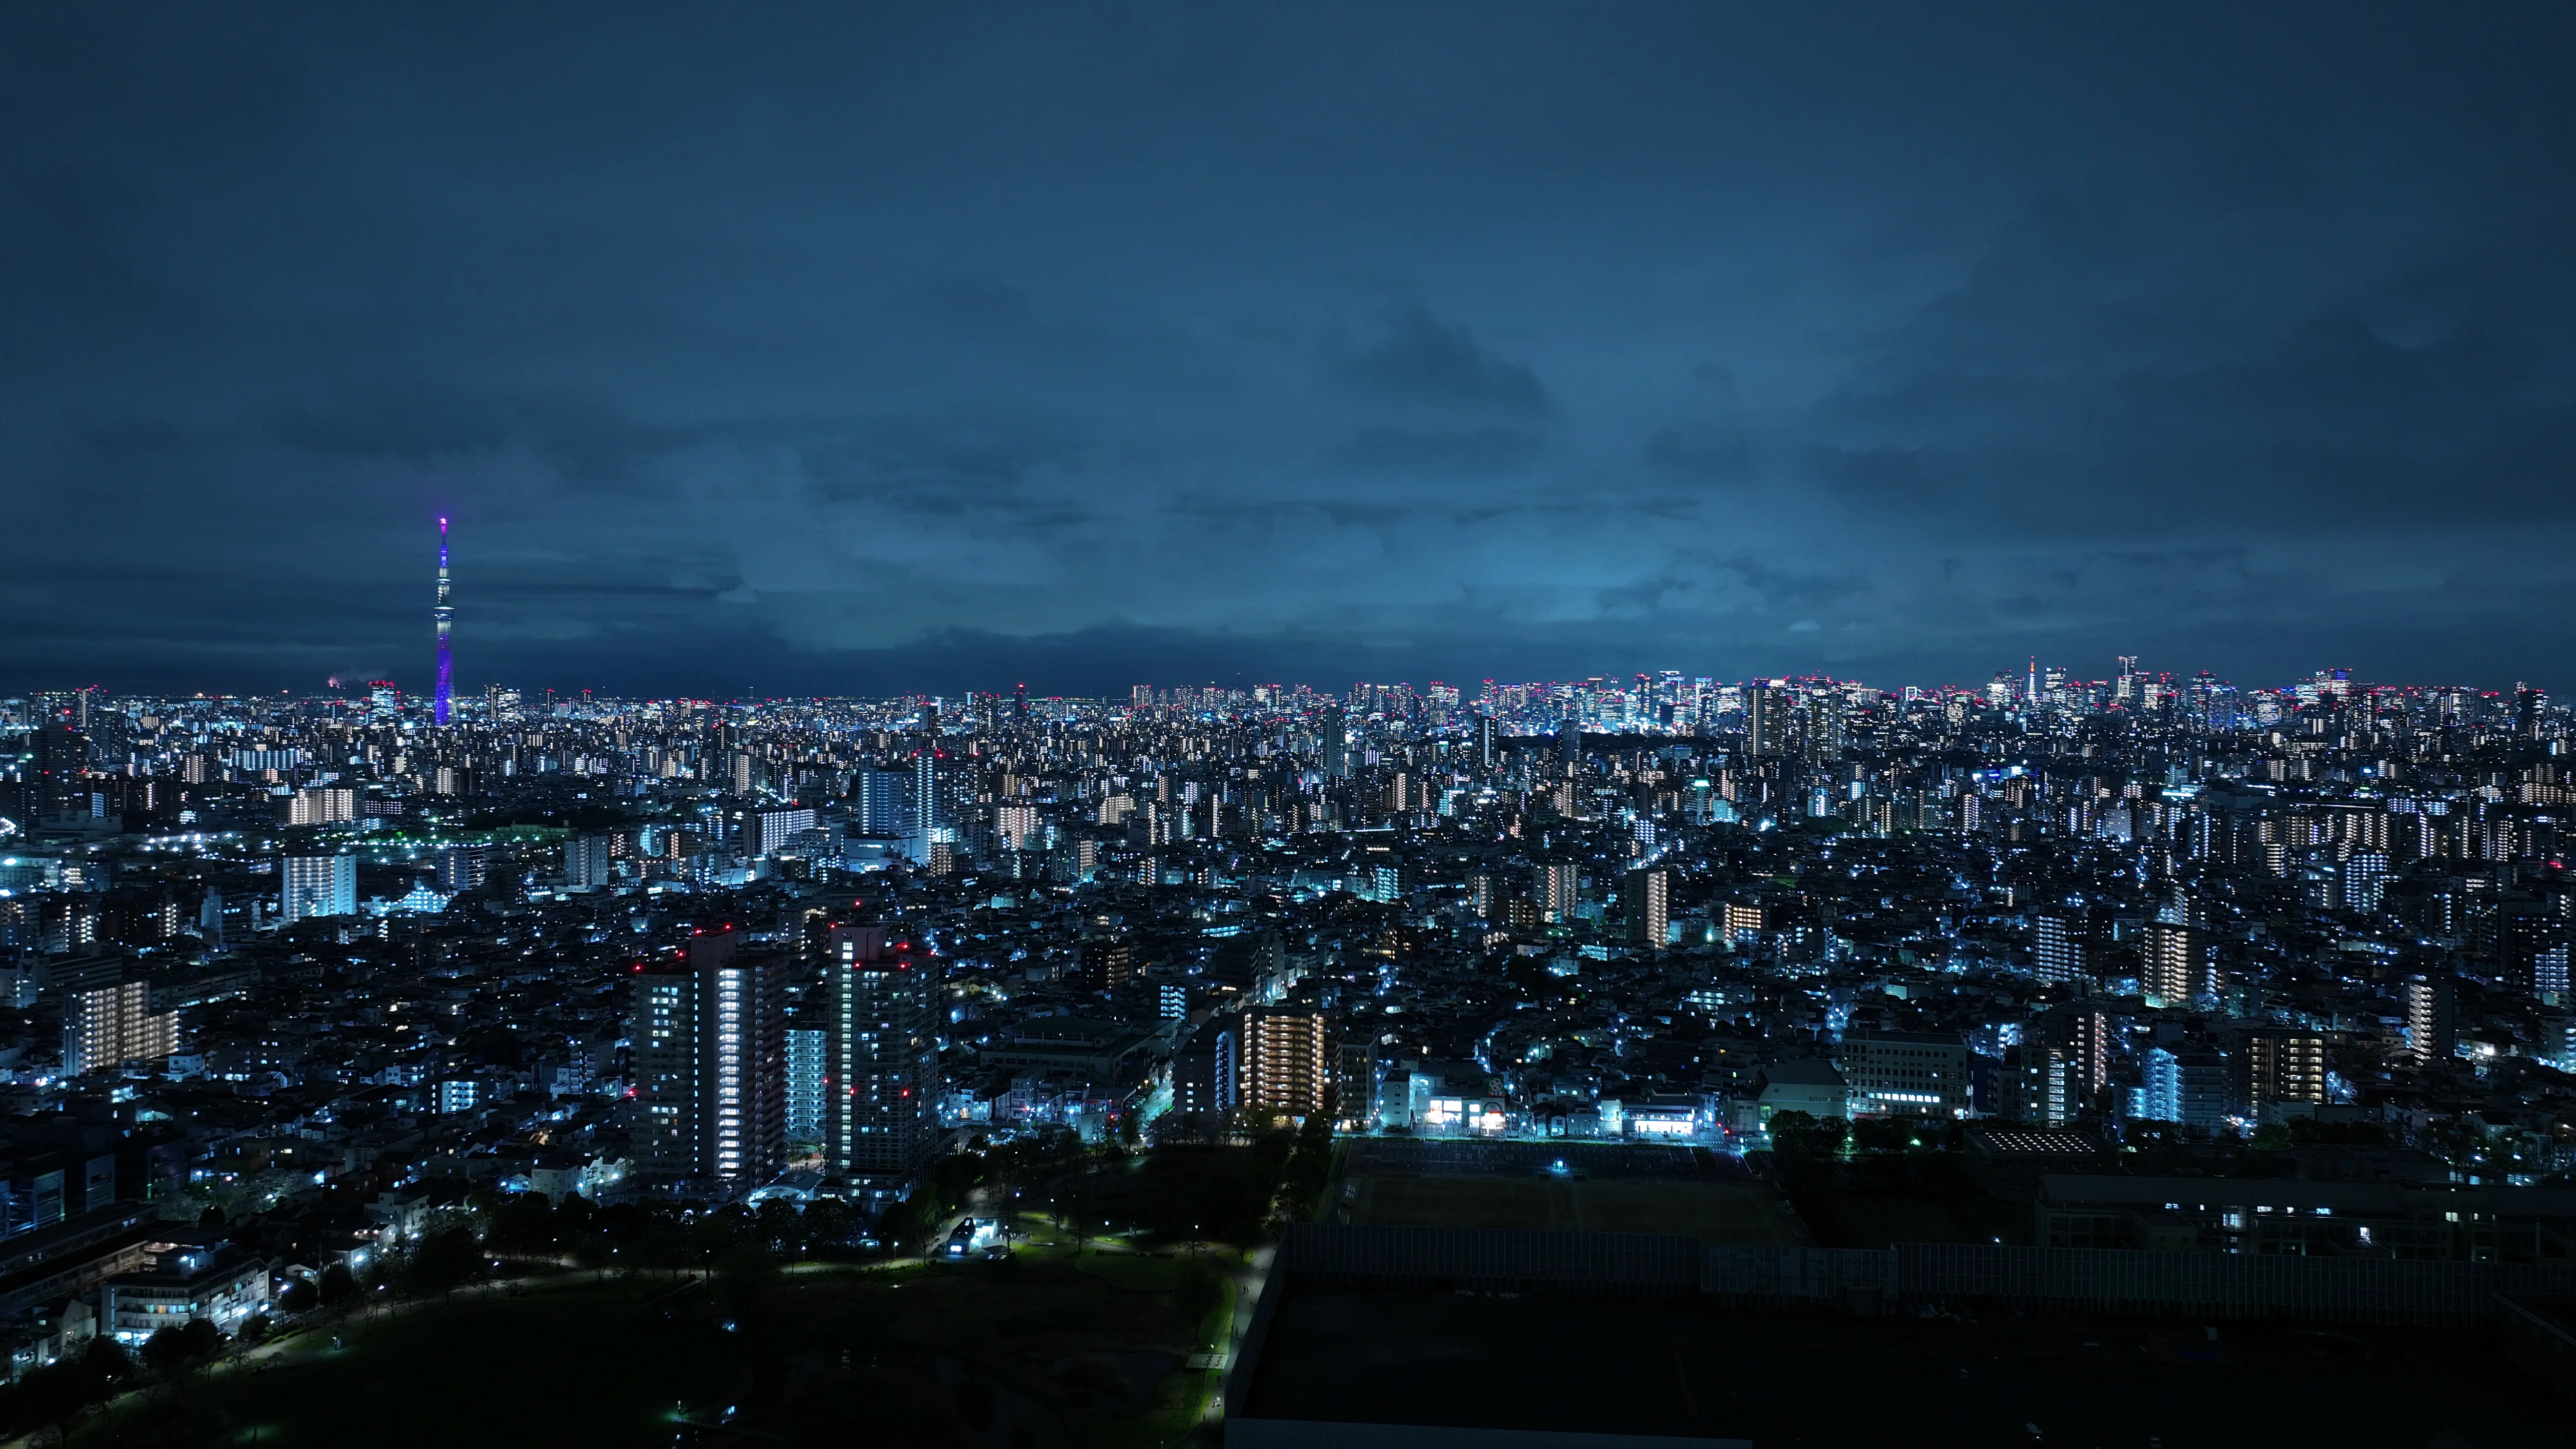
1569,1189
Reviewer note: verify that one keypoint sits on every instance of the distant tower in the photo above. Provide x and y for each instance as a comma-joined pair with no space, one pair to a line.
444,699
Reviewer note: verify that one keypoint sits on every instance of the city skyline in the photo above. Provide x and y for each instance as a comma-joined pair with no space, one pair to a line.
1081,349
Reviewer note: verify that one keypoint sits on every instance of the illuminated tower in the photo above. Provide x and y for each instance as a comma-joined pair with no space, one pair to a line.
444,698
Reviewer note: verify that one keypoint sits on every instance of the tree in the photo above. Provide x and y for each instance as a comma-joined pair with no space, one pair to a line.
444,1259
825,1226
778,1226
297,1296
201,1339
1884,1134
522,1222
336,1287
166,1351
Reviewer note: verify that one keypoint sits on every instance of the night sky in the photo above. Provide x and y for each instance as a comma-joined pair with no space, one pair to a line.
944,347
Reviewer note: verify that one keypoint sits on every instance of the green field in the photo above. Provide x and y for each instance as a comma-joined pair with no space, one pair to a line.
1075,1352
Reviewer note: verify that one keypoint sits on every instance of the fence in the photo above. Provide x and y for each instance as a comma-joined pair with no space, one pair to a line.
1853,1280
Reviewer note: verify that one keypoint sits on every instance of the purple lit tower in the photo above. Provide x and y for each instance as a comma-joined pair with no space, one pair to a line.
441,702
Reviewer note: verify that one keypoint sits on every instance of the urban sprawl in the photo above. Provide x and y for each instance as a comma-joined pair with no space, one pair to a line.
300,972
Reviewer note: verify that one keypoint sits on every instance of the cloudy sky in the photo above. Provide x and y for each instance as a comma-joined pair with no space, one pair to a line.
939,347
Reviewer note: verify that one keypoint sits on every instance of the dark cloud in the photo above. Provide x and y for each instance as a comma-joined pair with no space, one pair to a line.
1415,450
832,349
1423,361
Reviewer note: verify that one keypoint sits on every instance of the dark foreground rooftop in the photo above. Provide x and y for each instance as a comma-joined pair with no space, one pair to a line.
1686,1368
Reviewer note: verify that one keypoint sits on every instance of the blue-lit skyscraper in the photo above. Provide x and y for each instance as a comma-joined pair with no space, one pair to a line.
444,699
807,1049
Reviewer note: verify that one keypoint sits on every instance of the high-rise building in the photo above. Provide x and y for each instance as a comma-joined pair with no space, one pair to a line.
766,831
709,1054
2081,1033
1649,910
1207,1070
586,862
1287,1060
2174,964
2189,1087
1334,744
322,805
318,885
2057,953
2430,1031
884,800
808,1052
2285,1066
1905,1073
926,823
111,1023
1763,732
460,868
55,782
881,1117
1559,889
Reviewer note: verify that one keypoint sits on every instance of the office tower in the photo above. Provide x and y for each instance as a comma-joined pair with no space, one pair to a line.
1287,1060
709,1054
460,868
808,1051
1020,703
1906,1073
1485,741
1762,722
2285,1066
1334,744
1649,914
112,1023
2430,1030
2174,964
444,699
2057,954
1559,887
586,860
318,885
1822,734
881,1119
1569,737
